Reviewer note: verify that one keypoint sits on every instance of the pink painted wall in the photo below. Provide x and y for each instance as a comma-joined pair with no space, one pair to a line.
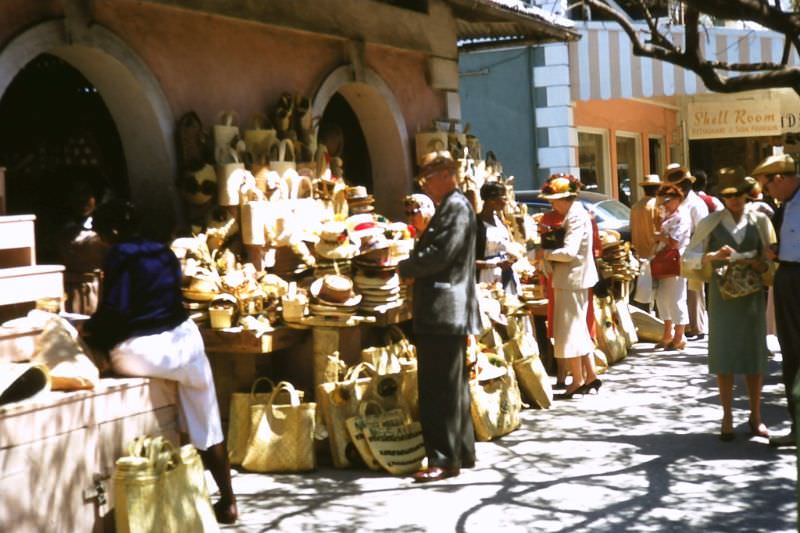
628,116
209,63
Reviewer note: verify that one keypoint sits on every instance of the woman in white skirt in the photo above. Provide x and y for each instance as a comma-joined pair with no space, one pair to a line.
671,291
572,268
142,323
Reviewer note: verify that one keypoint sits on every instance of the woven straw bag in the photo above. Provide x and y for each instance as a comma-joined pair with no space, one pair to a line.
357,424
495,406
239,423
160,488
398,448
224,132
522,352
281,436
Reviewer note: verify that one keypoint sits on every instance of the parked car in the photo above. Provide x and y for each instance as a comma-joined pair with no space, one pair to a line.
609,213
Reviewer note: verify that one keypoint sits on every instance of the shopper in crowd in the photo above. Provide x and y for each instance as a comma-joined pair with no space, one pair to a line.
80,248
699,187
697,210
571,265
737,326
671,291
755,199
142,323
643,237
494,257
442,265
778,177
419,211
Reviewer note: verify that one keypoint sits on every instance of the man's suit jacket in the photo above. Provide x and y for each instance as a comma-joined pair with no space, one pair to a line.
572,265
443,266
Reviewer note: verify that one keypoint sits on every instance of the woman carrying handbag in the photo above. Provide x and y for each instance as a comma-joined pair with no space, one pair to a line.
670,287
730,246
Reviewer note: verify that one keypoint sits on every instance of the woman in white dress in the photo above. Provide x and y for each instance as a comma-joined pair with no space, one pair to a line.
573,271
494,240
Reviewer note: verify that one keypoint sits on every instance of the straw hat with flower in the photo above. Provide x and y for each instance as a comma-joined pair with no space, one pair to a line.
560,186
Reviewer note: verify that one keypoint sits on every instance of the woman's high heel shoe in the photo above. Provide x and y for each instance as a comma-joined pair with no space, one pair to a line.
587,388
567,395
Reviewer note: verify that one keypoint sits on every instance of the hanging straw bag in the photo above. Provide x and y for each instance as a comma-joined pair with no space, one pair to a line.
231,175
610,338
258,140
495,406
239,426
357,424
282,157
427,142
281,436
529,370
159,488
338,402
225,130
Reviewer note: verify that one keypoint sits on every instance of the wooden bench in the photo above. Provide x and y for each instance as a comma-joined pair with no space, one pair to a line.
57,451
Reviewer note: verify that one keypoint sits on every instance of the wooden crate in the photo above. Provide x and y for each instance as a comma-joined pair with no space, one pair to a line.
56,449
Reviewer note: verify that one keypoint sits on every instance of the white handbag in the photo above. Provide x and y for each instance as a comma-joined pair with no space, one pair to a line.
282,157
230,178
224,132
259,140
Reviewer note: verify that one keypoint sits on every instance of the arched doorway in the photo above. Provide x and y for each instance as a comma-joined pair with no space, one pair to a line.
59,144
132,96
339,114
384,131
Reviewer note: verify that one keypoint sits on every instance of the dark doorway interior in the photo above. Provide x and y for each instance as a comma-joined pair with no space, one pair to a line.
357,165
55,133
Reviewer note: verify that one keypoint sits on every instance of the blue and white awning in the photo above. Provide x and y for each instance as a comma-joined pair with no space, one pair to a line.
602,64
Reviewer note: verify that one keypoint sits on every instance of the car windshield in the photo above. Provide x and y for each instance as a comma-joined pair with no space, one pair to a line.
613,209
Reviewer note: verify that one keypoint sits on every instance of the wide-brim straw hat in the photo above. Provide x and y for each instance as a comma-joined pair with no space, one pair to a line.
732,181
435,162
775,164
336,250
560,186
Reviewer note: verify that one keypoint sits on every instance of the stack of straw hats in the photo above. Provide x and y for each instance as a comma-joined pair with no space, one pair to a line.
359,201
332,296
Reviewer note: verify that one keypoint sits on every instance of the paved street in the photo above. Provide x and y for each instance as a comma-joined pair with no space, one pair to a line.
641,456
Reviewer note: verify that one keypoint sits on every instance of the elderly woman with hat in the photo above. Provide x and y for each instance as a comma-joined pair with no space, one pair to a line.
419,211
671,290
734,237
571,266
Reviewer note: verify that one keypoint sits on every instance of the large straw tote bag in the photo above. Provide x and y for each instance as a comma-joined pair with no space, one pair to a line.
649,328
338,402
356,425
495,406
625,322
610,338
239,424
529,370
225,130
281,436
258,139
398,448
159,488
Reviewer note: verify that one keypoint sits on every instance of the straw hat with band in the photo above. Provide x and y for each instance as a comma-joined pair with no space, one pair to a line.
334,290
670,190
560,186
677,174
776,164
732,182
435,162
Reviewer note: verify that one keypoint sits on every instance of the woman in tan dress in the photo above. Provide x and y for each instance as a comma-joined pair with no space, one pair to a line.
571,265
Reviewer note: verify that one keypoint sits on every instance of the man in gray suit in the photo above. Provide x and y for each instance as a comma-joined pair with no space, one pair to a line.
445,312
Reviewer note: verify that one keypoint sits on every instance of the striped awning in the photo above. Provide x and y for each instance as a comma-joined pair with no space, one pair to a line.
602,64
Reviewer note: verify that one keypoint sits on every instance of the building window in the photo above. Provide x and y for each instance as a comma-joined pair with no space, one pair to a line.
593,160
628,166
655,149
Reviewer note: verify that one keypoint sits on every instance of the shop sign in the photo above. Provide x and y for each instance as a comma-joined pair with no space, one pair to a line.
740,118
